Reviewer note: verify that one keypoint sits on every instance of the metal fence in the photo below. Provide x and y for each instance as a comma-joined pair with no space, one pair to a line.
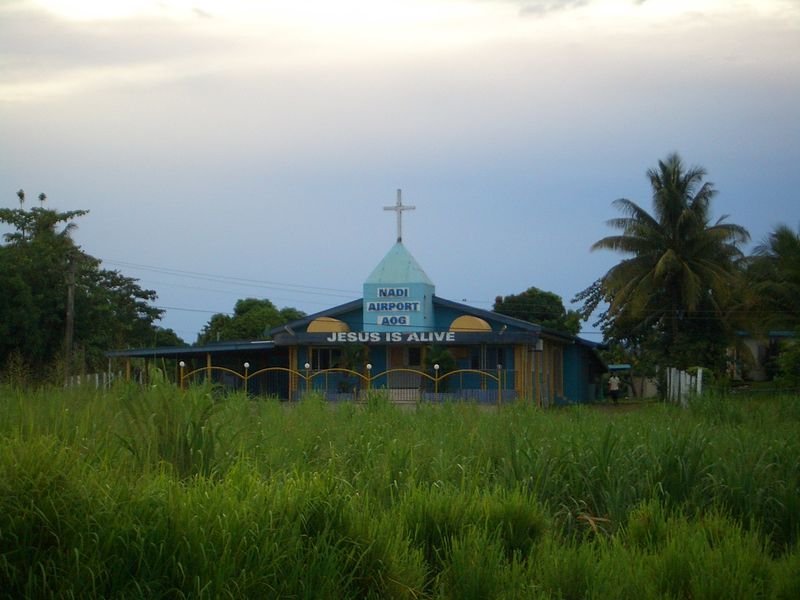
337,385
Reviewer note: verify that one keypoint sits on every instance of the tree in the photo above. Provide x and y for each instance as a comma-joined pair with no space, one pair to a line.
166,337
252,318
774,275
111,310
773,301
789,363
39,223
673,292
540,307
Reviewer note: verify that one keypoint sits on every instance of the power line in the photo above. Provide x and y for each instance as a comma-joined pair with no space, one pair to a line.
229,292
196,310
229,279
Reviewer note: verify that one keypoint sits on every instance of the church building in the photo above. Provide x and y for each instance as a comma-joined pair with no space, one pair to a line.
401,337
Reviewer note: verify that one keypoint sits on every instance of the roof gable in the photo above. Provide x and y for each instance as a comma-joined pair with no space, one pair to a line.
335,312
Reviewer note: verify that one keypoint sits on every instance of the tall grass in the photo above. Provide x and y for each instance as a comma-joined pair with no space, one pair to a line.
160,493
158,428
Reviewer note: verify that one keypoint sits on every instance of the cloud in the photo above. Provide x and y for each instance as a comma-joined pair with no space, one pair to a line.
203,14
544,7
43,55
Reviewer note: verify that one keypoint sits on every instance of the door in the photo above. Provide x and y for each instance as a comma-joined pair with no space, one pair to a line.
409,383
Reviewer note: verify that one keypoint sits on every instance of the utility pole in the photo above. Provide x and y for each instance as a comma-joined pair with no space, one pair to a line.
70,318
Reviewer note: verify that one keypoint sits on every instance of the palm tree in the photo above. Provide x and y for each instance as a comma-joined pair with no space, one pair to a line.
38,221
774,272
680,265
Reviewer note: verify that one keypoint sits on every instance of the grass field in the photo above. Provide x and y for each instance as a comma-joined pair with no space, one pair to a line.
154,493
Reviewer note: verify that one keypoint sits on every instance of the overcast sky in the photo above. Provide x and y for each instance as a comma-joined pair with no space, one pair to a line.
246,148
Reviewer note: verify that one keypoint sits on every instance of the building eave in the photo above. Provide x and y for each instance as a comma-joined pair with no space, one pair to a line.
192,351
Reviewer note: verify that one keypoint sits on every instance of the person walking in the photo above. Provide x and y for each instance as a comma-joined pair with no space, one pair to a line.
613,387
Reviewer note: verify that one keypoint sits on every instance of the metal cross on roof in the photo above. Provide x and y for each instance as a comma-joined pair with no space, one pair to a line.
399,208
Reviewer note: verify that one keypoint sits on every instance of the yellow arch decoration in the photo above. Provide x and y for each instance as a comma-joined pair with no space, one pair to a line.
468,323
327,325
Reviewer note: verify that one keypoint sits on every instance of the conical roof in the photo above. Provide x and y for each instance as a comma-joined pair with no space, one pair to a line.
398,267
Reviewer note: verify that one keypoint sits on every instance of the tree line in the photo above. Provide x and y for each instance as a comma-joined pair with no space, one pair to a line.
680,296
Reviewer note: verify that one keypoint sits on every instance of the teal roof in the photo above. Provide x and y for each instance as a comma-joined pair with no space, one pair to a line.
397,267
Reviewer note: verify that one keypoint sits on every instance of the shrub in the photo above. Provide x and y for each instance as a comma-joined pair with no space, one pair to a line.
789,365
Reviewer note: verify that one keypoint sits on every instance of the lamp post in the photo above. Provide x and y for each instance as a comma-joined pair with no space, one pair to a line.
436,381
308,367
182,366
369,375
246,376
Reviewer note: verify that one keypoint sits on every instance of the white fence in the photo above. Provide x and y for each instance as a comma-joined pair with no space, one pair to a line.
681,385
95,380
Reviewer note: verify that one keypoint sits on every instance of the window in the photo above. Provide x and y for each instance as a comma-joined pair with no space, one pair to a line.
324,358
